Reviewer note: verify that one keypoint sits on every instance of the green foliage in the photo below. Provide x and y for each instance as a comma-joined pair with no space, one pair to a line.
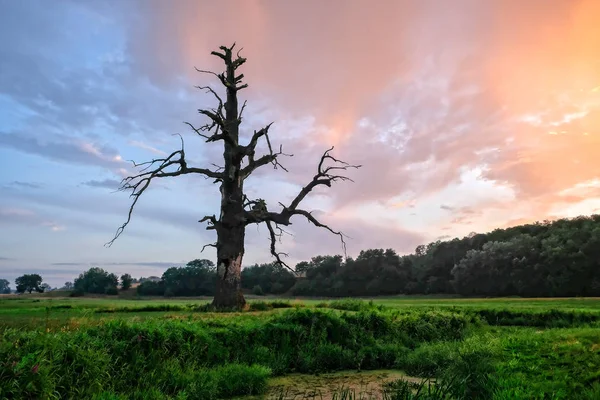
197,278
147,308
4,286
126,281
560,258
178,353
202,359
272,278
151,288
258,290
29,283
111,290
77,293
547,318
96,280
553,363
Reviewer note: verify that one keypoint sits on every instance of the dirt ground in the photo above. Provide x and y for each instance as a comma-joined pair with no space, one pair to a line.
364,384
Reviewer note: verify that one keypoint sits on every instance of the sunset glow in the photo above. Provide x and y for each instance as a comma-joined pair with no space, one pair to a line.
466,116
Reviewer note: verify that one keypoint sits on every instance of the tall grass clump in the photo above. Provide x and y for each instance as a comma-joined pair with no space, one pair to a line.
351,305
545,319
147,308
211,358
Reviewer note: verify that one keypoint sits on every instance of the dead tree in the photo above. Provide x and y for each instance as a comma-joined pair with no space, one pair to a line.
239,162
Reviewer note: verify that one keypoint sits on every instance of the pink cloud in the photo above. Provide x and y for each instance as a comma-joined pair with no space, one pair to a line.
416,92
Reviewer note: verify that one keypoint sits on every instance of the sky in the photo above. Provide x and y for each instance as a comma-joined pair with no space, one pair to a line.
466,116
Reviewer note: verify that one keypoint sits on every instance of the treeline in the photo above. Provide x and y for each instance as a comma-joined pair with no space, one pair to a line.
545,259
198,278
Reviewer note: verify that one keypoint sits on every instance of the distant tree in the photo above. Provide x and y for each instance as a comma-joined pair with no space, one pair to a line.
111,290
558,258
126,281
197,278
272,278
29,283
68,286
151,288
44,287
96,280
4,286
258,291
302,267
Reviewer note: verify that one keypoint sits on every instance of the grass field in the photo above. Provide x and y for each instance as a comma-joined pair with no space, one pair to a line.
392,348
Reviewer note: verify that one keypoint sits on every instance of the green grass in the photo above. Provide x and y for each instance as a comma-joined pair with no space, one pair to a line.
113,348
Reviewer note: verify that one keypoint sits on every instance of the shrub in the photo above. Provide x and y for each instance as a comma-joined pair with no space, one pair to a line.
111,290
151,288
76,293
260,306
257,290
215,358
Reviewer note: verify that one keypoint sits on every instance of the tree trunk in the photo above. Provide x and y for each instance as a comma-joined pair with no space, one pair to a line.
231,226
230,252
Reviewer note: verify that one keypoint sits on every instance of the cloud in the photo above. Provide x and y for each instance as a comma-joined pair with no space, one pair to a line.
430,111
54,227
27,185
106,183
65,264
145,146
157,264
20,216
69,149
419,93
7,259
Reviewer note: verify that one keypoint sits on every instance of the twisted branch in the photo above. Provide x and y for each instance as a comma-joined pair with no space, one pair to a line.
324,177
140,182
249,151
274,236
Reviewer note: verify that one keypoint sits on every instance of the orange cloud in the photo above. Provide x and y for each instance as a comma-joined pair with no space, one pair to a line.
415,91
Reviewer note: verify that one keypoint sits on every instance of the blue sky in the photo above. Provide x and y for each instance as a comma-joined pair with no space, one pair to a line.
426,98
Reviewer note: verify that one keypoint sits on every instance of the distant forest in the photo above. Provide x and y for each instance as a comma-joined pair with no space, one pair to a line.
544,259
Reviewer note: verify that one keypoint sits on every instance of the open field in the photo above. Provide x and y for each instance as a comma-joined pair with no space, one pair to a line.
116,348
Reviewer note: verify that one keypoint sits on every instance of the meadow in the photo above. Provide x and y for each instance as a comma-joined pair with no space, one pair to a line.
386,348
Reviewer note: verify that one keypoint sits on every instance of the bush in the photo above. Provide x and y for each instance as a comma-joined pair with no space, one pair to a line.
111,290
260,306
258,291
547,319
76,293
95,280
220,357
151,288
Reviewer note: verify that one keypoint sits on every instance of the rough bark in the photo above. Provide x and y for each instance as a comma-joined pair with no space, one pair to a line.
230,227
230,253
236,210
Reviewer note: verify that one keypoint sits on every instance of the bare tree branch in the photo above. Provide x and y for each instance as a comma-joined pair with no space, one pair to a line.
157,168
208,245
242,110
273,236
323,177
212,222
229,81
250,150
